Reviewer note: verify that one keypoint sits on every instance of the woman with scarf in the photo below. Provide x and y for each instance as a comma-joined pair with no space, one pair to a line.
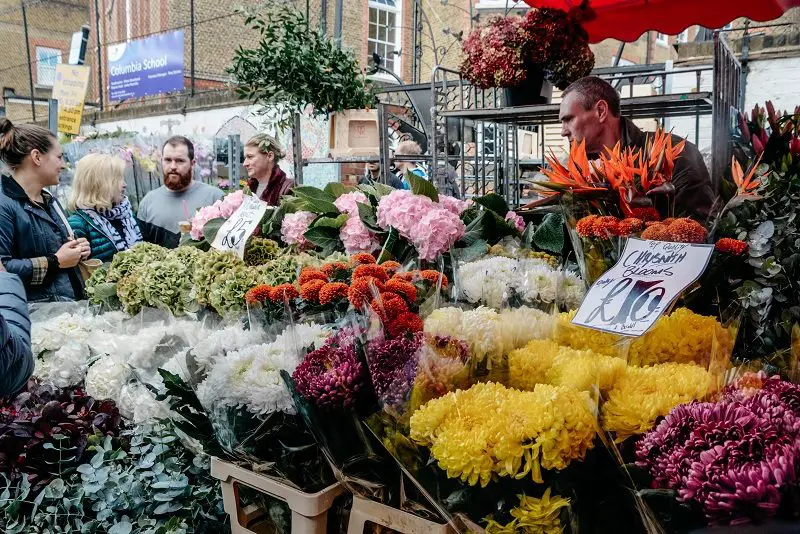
102,212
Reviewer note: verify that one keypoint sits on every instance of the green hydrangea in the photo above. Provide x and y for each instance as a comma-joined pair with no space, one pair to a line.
124,263
260,250
208,267
167,284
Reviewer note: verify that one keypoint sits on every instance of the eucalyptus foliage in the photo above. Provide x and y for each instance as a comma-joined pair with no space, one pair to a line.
293,66
144,482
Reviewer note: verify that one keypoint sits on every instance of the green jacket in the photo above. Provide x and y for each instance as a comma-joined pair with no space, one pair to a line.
103,247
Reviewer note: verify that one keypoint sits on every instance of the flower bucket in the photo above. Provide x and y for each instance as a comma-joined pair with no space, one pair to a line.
309,512
535,90
366,512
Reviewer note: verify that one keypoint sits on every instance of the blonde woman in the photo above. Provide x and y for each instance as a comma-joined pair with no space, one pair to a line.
102,212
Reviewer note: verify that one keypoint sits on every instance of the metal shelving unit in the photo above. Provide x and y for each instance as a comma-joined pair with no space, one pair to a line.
472,130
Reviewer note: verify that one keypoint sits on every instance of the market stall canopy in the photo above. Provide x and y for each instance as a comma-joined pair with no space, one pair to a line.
626,20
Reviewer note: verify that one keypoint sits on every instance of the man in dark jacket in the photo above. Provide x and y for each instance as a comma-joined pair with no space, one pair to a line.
16,360
590,111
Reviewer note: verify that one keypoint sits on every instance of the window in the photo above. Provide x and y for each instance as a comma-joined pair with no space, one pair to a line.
384,33
662,39
683,37
46,61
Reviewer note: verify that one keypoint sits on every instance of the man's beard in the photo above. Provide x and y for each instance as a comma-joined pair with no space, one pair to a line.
177,181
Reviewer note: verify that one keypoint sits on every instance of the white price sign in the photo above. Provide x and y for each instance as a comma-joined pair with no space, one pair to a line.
235,232
632,295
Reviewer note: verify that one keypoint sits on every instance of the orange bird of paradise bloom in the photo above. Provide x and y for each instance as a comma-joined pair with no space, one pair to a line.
745,185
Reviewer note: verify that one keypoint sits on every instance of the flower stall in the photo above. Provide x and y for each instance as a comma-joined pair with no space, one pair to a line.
365,359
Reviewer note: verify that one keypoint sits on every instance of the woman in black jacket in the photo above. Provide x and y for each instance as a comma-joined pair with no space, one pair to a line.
36,243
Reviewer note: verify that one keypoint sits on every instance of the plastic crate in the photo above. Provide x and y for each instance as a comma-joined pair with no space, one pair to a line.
309,510
365,512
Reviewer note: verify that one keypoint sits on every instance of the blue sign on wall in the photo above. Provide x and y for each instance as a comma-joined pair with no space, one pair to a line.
148,66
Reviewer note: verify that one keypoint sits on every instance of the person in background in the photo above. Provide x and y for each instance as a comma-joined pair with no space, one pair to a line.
447,175
102,212
372,175
590,111
266,179
16,359
36,242
162,210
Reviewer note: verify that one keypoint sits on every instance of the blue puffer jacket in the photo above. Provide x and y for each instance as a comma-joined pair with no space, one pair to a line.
16,361
29,235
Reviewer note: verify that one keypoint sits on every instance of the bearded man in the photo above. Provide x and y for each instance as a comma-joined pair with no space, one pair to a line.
162,209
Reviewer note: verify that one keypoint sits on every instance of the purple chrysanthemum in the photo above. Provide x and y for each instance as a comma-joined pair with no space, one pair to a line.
733,457
393,367
331,377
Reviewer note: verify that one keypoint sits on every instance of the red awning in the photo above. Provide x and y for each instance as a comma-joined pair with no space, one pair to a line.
626,20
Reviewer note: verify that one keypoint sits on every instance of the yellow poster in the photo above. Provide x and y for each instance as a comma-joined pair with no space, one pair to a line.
70,91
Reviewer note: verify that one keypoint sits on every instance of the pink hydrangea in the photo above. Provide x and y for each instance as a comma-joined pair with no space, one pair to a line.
347,203
516,220
231,203
437,231
295,225
222,208
432,228
201,217
402,210
452,204
357,237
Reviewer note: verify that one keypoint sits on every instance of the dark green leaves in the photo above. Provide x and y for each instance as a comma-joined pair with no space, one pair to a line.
211,228
315,200
493,202
293,65
421,186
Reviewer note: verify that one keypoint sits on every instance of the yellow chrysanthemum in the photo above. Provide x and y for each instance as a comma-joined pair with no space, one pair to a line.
582,338
490,430
644,394
682,337
533,516
547,362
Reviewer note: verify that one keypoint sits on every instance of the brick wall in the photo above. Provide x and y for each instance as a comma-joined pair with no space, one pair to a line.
50,25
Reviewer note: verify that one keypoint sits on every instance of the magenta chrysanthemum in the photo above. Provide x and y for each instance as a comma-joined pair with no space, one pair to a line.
732,457
331,377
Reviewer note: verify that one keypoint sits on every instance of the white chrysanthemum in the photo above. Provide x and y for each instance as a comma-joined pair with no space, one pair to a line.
54,333
571,290
480,329
228,339
136,402
266,391
539,282
521,325
489,281
444,322
66,367
150,348
300,337
106,377
225,384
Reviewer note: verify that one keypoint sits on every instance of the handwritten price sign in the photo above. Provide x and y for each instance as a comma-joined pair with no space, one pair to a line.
633,294
233,235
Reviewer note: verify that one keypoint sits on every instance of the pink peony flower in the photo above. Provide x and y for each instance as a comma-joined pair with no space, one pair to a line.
347,203
516,220
295,225
357,237
453,205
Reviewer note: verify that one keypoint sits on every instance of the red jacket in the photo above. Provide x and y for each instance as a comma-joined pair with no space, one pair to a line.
279,184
